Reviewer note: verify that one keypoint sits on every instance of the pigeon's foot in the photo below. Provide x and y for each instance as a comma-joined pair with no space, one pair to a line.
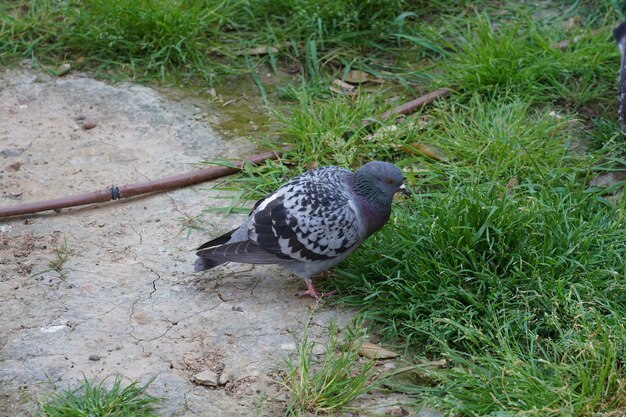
312,292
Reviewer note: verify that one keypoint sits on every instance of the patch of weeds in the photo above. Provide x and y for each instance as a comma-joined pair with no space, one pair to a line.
521,289
189,225
497,139
330,381
141,38
62,255
523,57
94,399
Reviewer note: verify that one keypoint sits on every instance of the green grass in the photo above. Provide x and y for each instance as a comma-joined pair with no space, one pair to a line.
141,38
96,400
506,261
331,381
522,58
62,255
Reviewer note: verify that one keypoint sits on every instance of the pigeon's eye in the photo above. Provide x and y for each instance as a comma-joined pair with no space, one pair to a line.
389,181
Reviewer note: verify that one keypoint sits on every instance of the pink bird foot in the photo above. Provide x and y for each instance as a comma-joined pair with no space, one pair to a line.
312,292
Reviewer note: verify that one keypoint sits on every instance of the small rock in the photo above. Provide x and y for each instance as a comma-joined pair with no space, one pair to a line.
395,411
9,152
207,377
88,124
237,308
94,358
388,366
225,377
282,397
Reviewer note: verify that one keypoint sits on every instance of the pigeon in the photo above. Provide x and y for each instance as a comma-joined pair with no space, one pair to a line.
312,222
619,33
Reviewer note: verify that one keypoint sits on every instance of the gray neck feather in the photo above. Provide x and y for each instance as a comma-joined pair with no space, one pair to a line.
375,206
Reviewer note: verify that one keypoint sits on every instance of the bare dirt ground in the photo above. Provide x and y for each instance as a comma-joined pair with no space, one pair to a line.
126,300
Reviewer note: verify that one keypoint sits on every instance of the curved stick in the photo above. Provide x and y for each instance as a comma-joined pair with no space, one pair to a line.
131,190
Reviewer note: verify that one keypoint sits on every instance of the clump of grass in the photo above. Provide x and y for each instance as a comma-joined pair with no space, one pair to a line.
62,255
524,58
331,381
141,38
497,139
94,399
521,290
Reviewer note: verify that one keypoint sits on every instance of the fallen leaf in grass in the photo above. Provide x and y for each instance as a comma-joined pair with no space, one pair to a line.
415,374
340,84
341,87
358,77
608,179
259,50
430,151
441,363
571,23
513,183
372,351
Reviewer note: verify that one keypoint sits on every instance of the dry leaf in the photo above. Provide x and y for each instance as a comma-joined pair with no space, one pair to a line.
415,375
259,50
513,183
341,87
571,23
441,363
358,77
430,151
607,180
372,351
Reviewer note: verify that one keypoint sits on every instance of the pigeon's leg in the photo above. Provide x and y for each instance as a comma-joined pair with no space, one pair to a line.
313,292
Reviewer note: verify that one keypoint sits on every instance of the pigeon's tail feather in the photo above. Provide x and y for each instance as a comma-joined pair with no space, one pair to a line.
218,240
245,252
204,263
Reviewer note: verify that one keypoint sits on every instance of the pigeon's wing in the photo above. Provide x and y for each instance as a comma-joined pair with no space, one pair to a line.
309,219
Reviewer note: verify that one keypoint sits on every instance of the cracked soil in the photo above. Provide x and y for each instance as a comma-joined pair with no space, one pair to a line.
125,299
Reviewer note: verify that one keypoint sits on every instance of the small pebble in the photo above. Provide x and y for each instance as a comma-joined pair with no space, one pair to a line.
282,397
225,377
88,124
395,411
94,358
208,378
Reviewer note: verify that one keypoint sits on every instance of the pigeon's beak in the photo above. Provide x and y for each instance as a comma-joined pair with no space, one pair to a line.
405,191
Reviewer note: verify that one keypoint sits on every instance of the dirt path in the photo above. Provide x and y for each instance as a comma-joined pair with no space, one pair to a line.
126,300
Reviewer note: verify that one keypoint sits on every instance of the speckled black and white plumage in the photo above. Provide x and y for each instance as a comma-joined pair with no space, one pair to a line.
312,222
620,37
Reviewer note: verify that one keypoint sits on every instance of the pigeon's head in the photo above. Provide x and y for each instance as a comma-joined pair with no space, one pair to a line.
379,181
